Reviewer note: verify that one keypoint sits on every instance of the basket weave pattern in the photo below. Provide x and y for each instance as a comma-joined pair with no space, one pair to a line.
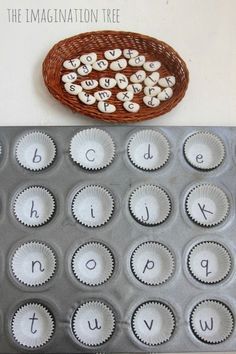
99,42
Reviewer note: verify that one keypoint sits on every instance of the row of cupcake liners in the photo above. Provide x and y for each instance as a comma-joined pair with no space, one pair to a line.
181,269
133,331
165,135
123,333
122,202
122,234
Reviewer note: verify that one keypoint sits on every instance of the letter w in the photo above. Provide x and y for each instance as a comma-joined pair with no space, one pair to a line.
205,326
89,82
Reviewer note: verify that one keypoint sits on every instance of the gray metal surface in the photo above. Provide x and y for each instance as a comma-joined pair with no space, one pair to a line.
123,292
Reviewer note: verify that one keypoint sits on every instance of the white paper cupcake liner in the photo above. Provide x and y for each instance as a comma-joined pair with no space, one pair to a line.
152,263
35,151
150,205
204,150
87,318
33,263
148,150
153,323
212,322
207,205
34,206
93,206
93,263
92,149
32,325
209,262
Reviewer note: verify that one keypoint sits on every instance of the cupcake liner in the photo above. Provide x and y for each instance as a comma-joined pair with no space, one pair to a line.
32,325
153,323
209,262
149,205
207,205
90,317
34,206
93,263
35,151
148,150
211,321
152,263
204,150
93,206
0,150
33,263
92,149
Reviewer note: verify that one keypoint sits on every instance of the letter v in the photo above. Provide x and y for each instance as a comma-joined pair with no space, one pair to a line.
149,326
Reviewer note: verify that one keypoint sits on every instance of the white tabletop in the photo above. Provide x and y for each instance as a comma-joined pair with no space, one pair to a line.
201,31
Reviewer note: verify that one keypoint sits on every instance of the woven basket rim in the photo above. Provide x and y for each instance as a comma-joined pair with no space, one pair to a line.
145,113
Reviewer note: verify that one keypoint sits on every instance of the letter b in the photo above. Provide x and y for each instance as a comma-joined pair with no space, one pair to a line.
37,158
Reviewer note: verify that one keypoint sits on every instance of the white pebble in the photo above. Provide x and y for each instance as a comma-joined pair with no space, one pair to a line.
89,84
130,53
102,95
118,65
71,64
152,90
151,101
131,106
135,88
122,81
89,58
151,65
84,70
165,94
112,54
137,61
152,79
125,96
138,77
86,98
100,65
106,107
71,77
72,89
168,81
107,82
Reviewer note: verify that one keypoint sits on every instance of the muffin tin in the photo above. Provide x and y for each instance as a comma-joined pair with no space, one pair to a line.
117,239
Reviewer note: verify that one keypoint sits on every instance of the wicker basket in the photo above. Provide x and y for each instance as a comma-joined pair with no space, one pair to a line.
99,42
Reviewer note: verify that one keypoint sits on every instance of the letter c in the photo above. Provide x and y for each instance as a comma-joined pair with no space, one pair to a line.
87,157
